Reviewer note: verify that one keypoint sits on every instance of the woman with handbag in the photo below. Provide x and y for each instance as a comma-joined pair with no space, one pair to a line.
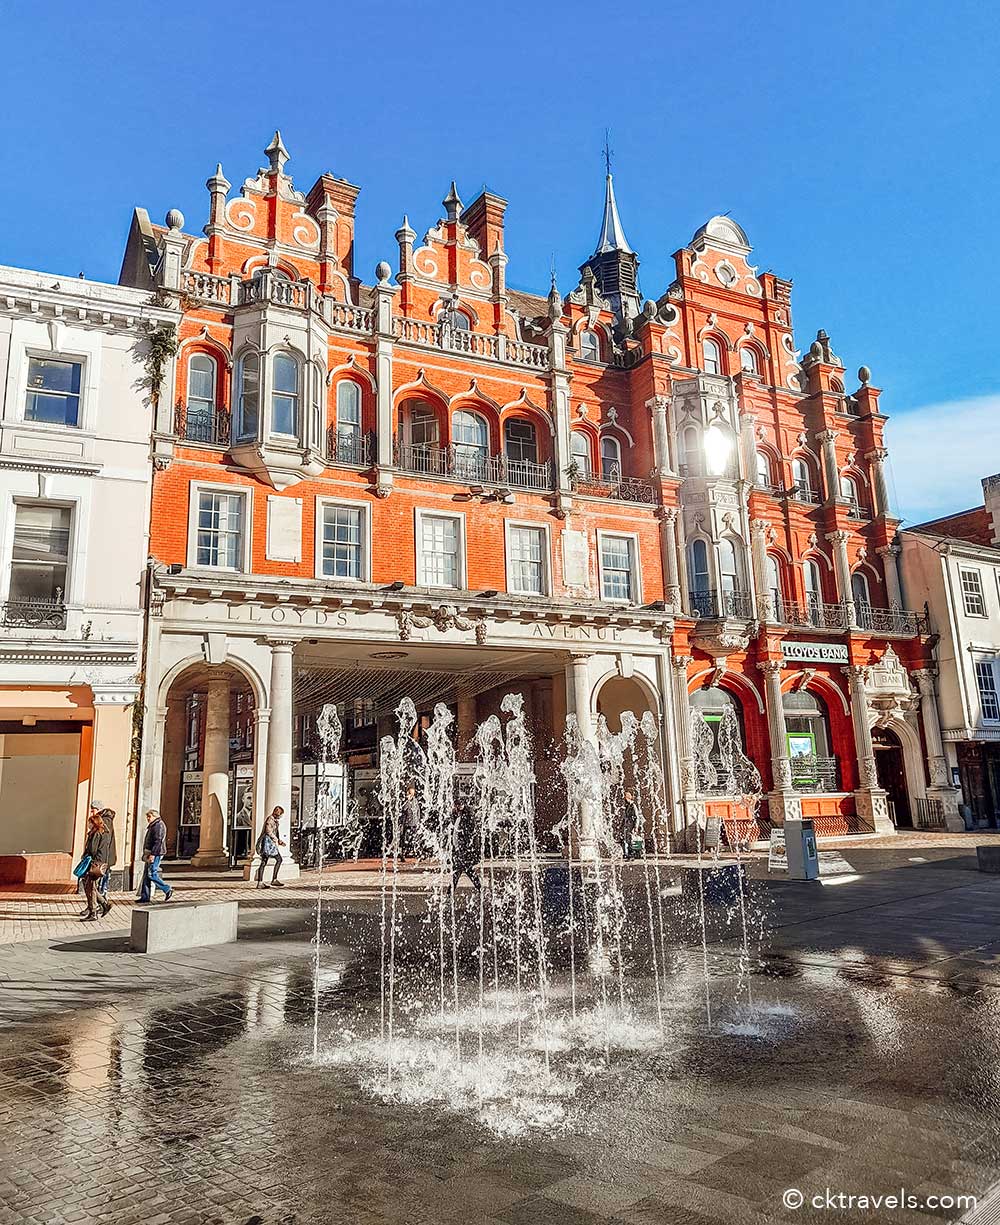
268,847
100,846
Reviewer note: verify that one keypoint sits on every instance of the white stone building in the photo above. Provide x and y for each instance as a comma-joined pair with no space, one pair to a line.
953,564
74,512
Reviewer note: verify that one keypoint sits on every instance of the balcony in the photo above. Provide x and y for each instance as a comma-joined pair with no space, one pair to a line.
210,429
889,620
814,614
815,774
268,288
455,463
729,605
802,493
297,295
350,450
474,344
31,613
858,513
615,486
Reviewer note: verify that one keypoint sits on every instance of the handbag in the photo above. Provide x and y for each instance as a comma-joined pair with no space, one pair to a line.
83,867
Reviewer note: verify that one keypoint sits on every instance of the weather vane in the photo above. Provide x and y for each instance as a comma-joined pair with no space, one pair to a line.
607,149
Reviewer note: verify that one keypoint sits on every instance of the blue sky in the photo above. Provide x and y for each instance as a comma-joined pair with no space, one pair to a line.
856,144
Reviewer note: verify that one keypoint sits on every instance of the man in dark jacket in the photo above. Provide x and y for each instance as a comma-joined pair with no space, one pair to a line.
153,849
464,846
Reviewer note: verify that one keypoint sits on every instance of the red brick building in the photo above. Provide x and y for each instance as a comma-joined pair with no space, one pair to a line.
441,486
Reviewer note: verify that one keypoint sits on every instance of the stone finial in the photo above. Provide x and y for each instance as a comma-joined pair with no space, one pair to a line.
555,299
218,182
405,233
382,272
453,203
174,219
276,153
649,309
864,376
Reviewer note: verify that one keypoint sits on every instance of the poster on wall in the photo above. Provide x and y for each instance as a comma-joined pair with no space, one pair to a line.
777,855
191,801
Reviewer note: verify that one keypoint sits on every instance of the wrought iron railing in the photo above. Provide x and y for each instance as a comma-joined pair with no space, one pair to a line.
28,612
213,429
814,613
802,493
859,513
813,773
354,450
928,813
889,620
737,605
474,467
614,486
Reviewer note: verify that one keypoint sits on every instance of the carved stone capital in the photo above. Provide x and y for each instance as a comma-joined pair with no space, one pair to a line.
771,667
681,663
827,437
838,537
889,550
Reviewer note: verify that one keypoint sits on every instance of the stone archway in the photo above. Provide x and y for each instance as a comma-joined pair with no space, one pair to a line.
618,694
210,741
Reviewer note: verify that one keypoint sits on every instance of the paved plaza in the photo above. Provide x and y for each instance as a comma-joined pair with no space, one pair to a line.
180,1088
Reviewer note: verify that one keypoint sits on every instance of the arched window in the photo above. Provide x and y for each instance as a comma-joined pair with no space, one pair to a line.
764,478
849,491
285,395
807,733
814,589
611,459
730,570
775,593
249,397
421,424
803,480
579,447
720,451
711,356
457,320
520,441
590,346
317,413
349,422
719,744
471,437
749,362
691,464
861,595
701,575
201,385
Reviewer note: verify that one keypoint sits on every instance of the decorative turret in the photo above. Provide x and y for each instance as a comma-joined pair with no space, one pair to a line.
614,264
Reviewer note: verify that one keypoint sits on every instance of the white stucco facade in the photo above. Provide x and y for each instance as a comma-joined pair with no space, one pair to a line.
75,418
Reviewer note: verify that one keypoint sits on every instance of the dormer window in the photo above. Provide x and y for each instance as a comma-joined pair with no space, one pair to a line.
590,346
455,319
711,356
285,395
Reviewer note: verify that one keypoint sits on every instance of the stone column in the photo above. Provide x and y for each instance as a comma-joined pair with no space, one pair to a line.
685,753
748,445
869,798
384,295
782,801
466,727
661,436
828,439
172,742
578,694
668,552
842,567
890,554
211,851
877,460
941,787
278,781
758,559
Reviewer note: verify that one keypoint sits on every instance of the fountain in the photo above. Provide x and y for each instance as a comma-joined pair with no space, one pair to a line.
506,1001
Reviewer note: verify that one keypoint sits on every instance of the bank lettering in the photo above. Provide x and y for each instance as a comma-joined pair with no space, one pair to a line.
287,614
815,652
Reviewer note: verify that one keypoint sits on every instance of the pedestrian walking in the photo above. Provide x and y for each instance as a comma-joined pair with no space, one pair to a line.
629,823
154,847
100,846
411,823
463,848
269,845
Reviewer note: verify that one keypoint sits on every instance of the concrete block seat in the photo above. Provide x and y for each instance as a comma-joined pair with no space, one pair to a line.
162,927
988,858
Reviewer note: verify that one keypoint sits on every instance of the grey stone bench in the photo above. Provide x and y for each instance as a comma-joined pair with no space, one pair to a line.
165,926
988,857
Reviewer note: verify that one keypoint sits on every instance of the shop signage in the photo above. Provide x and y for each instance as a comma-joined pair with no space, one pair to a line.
815,652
